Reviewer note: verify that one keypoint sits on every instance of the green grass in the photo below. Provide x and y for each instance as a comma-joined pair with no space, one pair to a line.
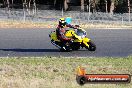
59,72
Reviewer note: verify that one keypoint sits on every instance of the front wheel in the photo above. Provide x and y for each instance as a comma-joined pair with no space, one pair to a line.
92,46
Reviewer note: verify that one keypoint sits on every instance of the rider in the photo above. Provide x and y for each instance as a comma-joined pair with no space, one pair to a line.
60,31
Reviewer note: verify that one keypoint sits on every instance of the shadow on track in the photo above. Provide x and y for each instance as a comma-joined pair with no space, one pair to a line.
31,50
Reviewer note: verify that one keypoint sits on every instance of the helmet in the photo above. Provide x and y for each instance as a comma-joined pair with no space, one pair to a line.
62,22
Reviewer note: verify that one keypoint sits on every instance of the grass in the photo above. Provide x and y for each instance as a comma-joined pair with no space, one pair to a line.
27,24
59,72
49,24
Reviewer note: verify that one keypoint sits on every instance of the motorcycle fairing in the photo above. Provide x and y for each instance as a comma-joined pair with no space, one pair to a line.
54,36
85,41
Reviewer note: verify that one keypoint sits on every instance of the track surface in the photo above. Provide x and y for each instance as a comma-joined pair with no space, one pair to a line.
35,42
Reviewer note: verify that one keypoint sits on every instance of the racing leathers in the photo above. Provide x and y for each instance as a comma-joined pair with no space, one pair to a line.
60,31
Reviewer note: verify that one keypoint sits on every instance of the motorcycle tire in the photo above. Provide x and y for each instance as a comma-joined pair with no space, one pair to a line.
65,49
92,46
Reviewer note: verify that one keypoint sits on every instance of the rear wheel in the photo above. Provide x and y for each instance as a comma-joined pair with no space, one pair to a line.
65,48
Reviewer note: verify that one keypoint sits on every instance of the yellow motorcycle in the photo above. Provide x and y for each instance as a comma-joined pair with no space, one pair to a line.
78,37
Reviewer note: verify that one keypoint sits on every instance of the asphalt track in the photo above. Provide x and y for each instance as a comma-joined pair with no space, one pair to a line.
36,42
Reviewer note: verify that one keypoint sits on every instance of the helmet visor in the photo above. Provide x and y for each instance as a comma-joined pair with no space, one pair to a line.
62,21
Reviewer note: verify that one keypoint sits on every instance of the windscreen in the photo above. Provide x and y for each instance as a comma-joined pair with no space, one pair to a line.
80,32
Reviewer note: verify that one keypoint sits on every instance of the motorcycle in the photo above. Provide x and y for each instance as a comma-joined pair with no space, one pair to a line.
78,37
